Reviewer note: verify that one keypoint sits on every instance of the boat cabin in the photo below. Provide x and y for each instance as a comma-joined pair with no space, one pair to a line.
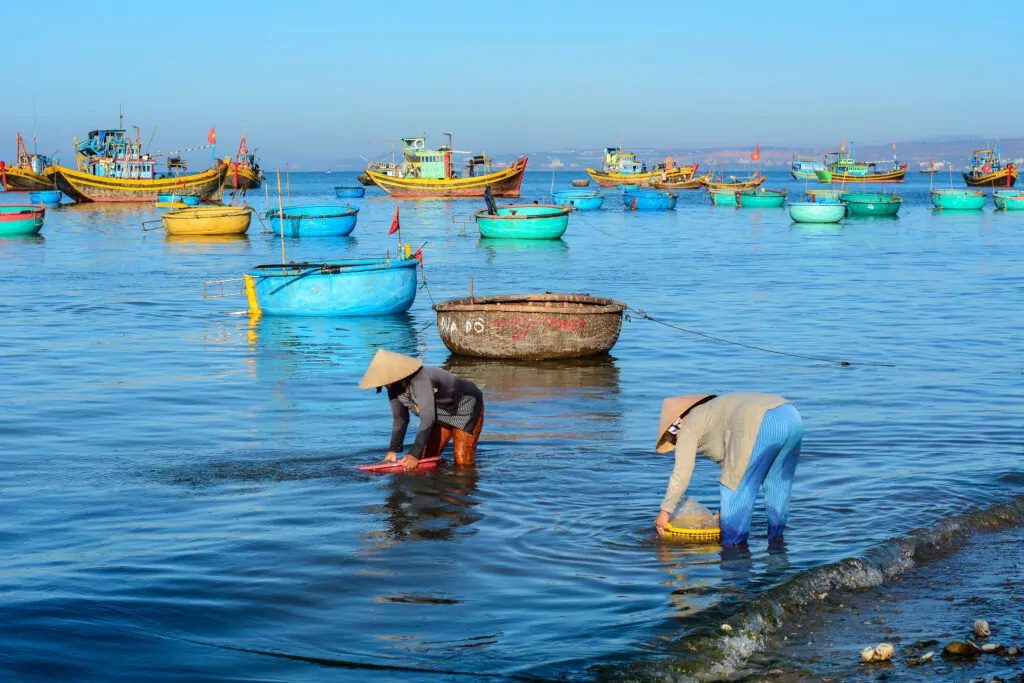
110,154
625,163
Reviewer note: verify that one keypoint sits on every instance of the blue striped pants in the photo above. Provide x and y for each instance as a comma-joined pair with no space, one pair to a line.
772,466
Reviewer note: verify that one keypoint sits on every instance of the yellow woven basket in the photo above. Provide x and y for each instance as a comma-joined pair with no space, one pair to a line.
678,533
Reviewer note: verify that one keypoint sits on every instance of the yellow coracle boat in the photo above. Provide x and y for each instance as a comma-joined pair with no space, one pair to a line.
85,187
208,220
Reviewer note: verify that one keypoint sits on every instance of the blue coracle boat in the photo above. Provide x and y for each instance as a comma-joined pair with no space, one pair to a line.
186,199
48,197
351,287
580,200
314,221
649,200
349,191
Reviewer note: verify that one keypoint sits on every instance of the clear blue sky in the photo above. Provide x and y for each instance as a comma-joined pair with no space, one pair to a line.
316,82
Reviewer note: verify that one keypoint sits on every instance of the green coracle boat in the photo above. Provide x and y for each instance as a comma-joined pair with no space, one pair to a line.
722,197
1009,200
959,200
760,198
21,220
871,203
524,221
816,212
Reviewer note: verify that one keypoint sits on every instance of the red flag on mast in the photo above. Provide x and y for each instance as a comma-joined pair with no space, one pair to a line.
395,226
211,137
757,153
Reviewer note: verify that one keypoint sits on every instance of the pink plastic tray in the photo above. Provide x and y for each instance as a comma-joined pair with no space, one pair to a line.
393,467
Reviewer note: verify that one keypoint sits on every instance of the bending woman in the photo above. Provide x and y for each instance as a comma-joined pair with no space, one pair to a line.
755,438
449,408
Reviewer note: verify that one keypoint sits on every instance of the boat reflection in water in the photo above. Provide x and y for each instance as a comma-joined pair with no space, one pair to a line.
207,244
433,506
495,248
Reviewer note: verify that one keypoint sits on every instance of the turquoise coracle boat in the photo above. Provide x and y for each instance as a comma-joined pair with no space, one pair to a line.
959,200
19,220
580,200
353,191
1009,200
48,197
524,222
862,204
760,198
356,287
649,200
726,197
186,199
314,221
817,212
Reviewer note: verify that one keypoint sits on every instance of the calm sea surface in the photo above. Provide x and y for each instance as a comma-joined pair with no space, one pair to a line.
178,498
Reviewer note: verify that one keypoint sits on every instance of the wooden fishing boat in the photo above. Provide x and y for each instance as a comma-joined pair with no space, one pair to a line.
578,200
365,180
932,167
815,212
805,168
430,173
530,326
314,221
20,220
523,221
355,287
244,171
693,183
347,191
30,172
622,168
48,197
208,220
760,198
649,200
752,183
988,169
863,204
580,182
722,197
1009,200
959,200
842,167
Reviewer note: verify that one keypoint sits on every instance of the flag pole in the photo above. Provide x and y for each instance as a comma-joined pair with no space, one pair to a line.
280,214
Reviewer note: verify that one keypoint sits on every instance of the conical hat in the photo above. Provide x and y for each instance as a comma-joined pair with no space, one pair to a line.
673,408
387,367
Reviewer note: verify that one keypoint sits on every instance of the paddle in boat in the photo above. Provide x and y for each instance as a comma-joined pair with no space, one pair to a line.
354,287
817,212
641,199
244,171
30,172
622,168
1009,200
20,220
430,173
578,200
113,168
208,220
959,200
842,167
314,221
863,204
988,169
530,326
760,198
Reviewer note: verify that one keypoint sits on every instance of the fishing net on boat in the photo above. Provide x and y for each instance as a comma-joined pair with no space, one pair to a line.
690,514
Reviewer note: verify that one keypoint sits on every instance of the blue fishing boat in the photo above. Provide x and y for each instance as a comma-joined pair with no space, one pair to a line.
523,221
19,220
817,212
48,197
579,200
351,287
314,221
649,200
349,191
805,168
174,198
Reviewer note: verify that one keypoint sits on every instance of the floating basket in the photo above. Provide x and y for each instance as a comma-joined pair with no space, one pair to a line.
687,535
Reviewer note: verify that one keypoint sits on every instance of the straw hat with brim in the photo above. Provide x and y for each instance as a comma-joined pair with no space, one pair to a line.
387,367
673,408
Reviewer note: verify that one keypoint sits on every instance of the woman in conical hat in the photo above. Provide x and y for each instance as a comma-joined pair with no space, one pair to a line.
450,408
755,438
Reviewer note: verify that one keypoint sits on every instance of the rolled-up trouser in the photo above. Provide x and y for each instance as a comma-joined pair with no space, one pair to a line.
465,442
772,466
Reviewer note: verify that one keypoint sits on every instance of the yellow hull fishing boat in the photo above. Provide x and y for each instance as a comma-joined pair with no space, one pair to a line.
29,173
208,220
622,168
85,187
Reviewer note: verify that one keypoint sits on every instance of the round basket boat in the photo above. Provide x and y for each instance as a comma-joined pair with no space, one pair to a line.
208,220
530,326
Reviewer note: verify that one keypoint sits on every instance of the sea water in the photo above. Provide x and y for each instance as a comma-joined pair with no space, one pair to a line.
178,498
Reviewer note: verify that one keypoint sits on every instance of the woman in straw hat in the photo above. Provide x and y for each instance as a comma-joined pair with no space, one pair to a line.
755,438
450,408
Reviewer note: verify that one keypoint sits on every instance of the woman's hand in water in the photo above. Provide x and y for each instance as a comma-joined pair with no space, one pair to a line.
409,462
660,521
391,456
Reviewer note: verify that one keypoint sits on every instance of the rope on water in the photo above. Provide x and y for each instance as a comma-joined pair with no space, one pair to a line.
842,363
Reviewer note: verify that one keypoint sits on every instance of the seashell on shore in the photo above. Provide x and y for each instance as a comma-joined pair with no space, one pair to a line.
884,652
990,648
963,650
867,655
981,629
927,656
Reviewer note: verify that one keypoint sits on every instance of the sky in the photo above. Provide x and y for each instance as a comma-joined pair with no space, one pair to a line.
315,84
